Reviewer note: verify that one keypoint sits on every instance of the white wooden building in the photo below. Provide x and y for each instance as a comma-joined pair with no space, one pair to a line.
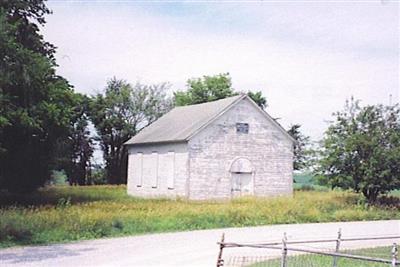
215,150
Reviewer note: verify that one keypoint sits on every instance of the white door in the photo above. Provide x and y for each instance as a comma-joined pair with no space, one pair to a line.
242,184
236,187
246,184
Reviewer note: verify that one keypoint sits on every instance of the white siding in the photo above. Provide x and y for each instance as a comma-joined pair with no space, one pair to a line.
172,170
137,164
213,150
149,170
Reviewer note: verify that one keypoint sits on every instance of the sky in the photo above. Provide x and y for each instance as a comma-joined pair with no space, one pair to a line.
307,57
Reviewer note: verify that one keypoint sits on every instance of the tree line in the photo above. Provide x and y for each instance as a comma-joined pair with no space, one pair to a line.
46,125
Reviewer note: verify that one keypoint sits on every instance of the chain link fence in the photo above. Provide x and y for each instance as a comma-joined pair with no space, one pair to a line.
309,253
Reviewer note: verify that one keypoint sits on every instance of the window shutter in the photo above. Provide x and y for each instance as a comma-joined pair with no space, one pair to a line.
154,170
137,168
170,169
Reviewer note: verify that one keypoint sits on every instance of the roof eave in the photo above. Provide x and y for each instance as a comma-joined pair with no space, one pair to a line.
156,142
277,124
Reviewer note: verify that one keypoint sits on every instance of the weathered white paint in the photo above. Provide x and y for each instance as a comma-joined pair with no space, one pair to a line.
179,170
241,165
135,167
213,150
205,165
151,168
242,184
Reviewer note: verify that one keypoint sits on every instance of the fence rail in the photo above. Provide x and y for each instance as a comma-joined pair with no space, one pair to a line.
287,246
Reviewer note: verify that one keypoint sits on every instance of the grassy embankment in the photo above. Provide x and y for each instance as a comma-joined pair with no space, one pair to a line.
59,214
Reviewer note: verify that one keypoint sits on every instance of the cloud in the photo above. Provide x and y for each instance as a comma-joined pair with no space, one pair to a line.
306,58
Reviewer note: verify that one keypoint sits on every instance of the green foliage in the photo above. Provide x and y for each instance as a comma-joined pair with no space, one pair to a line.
205,89
36,104
58,214
301,150
258,98
74,152
361,150
306,182
118,114
63,203
58,178
211,88
98,175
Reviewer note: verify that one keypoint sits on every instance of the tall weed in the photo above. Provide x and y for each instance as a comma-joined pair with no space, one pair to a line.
59,214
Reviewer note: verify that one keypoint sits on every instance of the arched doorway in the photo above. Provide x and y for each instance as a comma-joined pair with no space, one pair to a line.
242,177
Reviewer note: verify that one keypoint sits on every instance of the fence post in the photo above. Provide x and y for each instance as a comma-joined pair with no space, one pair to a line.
338,240
284,251
394,254
220,261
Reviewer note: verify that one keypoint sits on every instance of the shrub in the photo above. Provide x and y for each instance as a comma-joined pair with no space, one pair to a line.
11,232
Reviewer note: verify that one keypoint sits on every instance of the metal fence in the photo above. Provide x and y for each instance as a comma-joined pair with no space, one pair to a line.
309,253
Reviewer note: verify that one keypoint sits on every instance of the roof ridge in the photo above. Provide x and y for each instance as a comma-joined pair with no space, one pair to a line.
182,122
209,102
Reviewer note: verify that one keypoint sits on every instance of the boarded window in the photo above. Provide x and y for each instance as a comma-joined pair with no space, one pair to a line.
154,169
242,128
170,169
137,168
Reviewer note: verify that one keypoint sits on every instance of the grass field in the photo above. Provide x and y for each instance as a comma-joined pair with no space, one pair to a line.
60,214
306,181
309,260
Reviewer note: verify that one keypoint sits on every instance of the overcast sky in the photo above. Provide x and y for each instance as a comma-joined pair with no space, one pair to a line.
307,57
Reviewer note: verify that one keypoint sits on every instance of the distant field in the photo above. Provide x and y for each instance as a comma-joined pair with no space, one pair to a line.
305,181
60,214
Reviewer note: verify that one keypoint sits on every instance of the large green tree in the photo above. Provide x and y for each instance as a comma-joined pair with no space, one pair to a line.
301,148
119,113
35,104
210,88
361,149
74,153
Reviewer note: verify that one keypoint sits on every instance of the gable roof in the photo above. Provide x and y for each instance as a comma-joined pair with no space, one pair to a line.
181,123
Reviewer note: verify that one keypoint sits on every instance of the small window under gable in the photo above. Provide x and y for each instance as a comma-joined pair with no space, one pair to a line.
242,128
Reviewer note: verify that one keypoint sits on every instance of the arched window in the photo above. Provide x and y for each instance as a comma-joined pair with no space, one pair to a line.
241,165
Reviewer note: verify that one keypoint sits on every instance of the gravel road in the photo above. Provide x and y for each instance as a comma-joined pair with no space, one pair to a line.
194,248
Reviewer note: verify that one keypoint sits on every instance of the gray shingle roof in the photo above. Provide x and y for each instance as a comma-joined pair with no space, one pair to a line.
182,122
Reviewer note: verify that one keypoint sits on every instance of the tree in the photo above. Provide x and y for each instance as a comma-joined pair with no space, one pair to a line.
82,148
300,149
74,153
119,114
205,89
211,88
36,104
361,150
257,97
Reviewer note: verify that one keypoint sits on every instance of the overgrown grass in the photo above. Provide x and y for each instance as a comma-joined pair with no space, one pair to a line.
59,214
